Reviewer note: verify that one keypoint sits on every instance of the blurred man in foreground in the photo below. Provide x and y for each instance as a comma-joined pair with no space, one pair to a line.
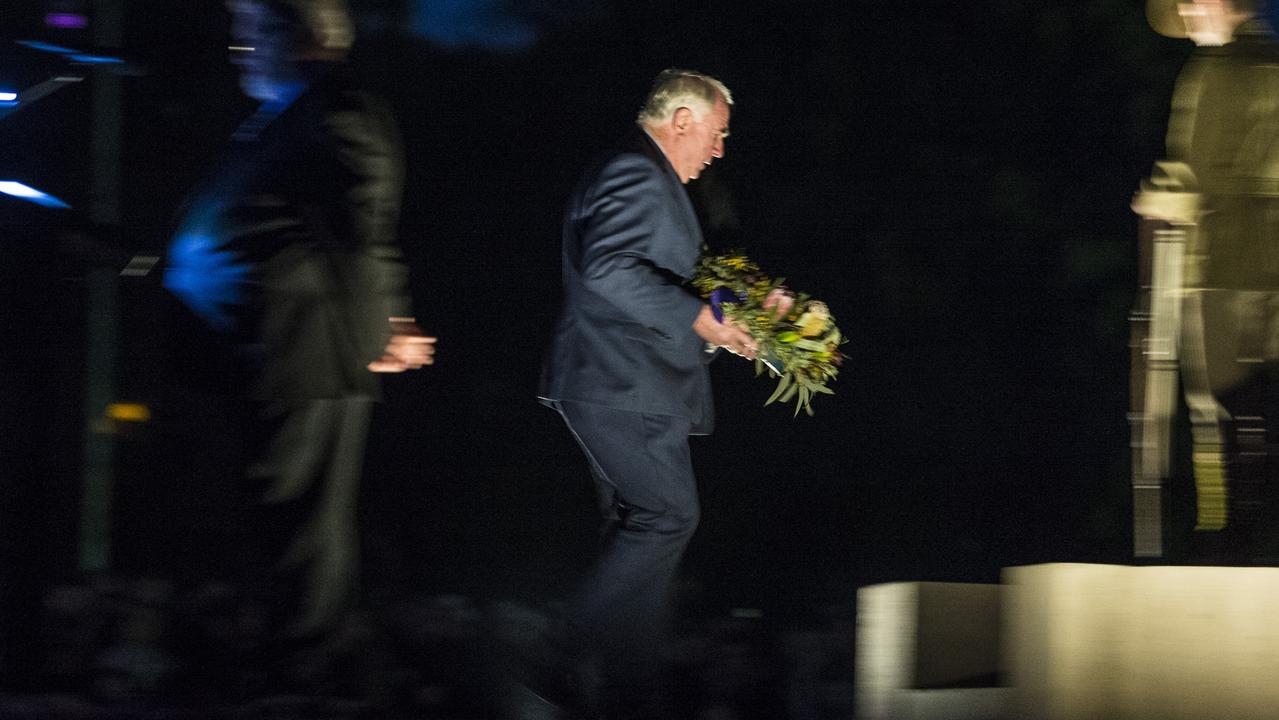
286,254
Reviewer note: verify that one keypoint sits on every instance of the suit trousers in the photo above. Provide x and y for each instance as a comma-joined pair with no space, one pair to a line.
273,510
648,496
299,496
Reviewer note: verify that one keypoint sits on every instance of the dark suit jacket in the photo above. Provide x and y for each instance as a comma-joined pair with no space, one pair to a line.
287,253
624,338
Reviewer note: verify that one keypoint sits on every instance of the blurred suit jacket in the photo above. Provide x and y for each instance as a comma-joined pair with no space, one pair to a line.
624,339
286,256
287,252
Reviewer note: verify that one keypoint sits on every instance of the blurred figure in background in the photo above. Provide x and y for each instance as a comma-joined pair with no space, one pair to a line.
1220,184
287,257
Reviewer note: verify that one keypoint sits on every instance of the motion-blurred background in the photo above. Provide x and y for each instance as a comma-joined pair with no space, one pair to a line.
954,181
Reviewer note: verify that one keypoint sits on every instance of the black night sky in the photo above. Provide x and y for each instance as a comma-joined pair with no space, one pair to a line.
953,179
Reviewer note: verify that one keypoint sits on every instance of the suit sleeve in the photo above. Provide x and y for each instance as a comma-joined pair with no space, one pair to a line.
367,160
631,236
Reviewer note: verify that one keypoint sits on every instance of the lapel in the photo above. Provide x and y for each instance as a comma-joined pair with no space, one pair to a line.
256,149
682,256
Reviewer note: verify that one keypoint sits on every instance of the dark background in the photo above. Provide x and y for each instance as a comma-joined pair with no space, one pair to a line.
953,179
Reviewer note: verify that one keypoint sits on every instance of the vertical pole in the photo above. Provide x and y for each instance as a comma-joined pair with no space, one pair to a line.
102,301
1157,329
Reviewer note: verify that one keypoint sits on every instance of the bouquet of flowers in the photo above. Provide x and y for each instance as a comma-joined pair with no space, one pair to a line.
797,337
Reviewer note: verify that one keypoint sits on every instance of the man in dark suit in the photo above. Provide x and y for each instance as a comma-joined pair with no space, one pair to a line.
287,256
626,370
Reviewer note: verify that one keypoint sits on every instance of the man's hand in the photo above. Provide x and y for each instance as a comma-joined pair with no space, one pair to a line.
730,336
408,349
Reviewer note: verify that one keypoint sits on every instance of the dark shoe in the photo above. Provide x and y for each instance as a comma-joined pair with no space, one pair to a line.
559,677
549,673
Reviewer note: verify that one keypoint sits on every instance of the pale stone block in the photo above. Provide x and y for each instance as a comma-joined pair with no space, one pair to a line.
1063,625
1142,643
925,649
987,703
1205,643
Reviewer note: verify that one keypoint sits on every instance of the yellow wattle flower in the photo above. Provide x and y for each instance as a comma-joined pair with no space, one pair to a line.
812,325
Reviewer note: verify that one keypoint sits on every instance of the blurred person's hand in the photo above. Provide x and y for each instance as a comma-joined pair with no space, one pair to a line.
408,349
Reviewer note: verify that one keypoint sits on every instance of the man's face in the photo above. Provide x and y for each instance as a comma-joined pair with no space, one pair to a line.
262,45
702,142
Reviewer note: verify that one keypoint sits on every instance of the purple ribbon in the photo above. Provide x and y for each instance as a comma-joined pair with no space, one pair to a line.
720,296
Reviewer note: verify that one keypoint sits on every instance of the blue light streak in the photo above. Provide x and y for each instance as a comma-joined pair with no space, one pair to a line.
46,47
72,54
95,59
30,194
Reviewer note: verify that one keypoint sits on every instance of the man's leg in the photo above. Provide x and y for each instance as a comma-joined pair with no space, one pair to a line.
302,487
643,474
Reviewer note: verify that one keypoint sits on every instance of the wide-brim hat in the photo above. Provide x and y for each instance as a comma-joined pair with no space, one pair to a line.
1165,19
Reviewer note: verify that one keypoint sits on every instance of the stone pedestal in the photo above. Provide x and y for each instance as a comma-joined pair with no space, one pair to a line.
1142,643
928,651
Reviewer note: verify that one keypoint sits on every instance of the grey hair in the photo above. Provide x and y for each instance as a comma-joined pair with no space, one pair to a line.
328,21
675,88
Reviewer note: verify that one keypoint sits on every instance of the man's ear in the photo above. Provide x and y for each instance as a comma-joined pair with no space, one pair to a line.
682,119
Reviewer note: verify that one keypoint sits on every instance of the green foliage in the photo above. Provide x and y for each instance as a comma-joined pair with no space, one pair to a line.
797,337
